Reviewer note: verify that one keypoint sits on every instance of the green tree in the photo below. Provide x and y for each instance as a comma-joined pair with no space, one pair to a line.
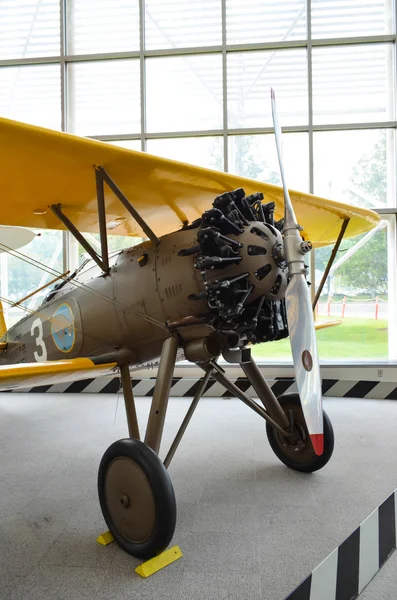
366,270
369,175
247,158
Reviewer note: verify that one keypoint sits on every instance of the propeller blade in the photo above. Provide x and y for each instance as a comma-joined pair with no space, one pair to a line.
300,319
304,353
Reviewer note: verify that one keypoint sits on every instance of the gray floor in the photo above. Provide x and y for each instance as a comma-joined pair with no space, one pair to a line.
384,585
248,527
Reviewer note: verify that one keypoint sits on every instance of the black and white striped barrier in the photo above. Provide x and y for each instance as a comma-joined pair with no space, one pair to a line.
187,386
349,568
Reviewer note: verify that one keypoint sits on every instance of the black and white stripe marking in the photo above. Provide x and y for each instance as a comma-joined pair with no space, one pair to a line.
349,568
186,387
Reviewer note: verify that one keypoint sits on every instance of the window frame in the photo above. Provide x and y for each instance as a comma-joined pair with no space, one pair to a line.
224,50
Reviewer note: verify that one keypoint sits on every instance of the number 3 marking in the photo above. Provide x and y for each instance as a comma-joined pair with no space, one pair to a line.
42,356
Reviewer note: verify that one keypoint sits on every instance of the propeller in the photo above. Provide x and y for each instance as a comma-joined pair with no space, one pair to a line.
300,319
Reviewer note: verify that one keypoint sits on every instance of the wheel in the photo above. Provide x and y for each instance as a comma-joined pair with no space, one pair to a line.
137,498
298,454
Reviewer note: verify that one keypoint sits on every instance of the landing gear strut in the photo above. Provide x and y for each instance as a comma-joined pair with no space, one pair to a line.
135,491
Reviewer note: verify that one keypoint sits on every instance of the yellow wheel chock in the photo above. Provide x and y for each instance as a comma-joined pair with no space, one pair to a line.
159,562
150,566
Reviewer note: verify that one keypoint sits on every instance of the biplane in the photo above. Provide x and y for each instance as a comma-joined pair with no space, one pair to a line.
221,267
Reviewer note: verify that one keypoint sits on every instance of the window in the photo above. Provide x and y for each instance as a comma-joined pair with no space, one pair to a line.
351,18
250,77
190,81
352,84
253,21
29,268
129,144
253,156
184,93
104,97
29,28
182,23
31,94
355,167
95,26
202,151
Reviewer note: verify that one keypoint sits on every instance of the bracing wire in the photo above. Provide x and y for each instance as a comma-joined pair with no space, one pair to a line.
35,263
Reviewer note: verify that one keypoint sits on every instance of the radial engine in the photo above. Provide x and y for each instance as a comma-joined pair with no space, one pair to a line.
240,256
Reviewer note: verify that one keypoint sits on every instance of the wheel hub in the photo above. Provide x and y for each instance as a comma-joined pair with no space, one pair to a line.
125,501
130,499
296,443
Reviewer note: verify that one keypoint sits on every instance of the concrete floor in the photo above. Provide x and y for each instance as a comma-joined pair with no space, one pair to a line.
384,584
248,527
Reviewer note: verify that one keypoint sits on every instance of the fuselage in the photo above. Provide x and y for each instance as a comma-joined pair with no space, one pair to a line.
95,314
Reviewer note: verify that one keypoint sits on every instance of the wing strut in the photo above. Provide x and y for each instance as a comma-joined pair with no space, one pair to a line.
102,177
57,210
330,262
105,177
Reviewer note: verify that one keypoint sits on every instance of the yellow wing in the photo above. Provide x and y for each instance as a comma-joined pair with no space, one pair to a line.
47,373
40,167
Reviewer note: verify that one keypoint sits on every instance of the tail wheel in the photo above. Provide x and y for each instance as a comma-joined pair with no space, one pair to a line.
297,452
137,498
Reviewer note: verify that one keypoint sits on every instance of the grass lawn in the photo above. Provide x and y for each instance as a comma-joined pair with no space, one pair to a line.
354,339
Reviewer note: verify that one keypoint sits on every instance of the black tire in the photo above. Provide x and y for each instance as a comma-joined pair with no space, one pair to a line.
137,498
300,456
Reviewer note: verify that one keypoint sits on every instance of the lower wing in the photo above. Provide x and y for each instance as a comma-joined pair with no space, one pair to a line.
50,372
324,324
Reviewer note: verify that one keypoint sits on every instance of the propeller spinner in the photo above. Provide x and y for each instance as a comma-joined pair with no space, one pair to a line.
302,333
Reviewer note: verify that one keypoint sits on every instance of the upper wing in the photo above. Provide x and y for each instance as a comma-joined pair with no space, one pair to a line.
40,167
47,373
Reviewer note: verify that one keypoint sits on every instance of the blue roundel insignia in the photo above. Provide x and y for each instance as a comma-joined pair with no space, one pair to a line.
62,328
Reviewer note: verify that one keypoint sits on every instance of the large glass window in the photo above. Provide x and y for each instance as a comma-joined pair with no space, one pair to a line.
353,83
29,28
184,93
203,151
104,97
181,24
250,77
253,156
272,21
101,26
356,294
31,94
26,270
356,167
190,81
351,18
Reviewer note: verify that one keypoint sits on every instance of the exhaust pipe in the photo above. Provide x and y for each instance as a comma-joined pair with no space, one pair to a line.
203,350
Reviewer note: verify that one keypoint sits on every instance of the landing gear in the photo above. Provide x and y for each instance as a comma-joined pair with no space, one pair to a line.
135,491
297,452
137,498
